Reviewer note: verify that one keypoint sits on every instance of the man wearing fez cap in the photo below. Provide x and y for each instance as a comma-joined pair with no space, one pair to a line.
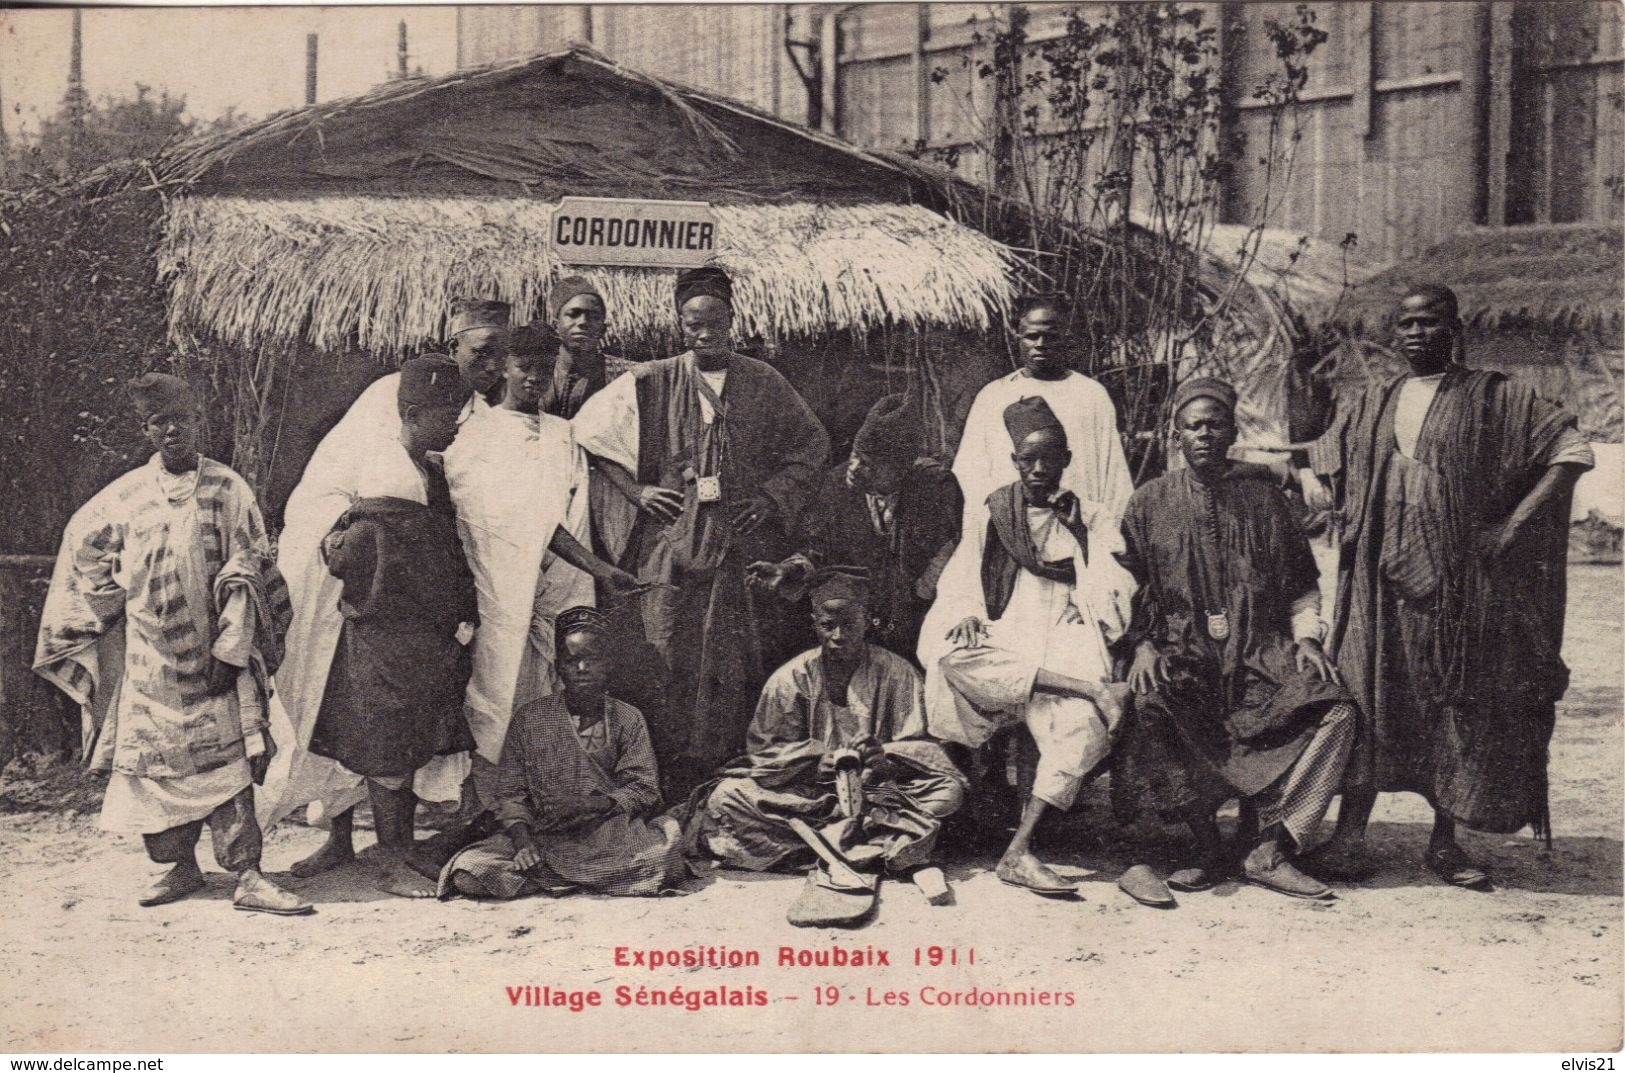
164,621
1018,634
370,431
718,454
844,698
393,699
1098,472
1234,697
478,335
888,508
1453,484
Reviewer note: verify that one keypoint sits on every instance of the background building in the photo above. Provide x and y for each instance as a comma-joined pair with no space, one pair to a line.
1419,119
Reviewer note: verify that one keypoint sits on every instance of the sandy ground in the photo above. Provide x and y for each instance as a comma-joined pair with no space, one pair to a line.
1399,962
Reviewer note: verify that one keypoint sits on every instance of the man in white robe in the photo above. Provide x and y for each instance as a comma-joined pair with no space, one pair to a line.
1098,472
1019,630
519,483
370,430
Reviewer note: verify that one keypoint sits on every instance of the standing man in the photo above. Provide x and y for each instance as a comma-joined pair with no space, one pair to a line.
1234,696
719,455
1098,472
164,621
888,509
1453,485
394,697
576,317
1018,634
370,429
518,481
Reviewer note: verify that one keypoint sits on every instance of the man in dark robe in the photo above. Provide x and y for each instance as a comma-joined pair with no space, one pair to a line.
1234,697
888,509
1453,486
719,454
394,695
578,792
844,697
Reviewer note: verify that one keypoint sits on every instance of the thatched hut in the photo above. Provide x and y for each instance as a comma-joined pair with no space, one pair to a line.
345,229
1544,304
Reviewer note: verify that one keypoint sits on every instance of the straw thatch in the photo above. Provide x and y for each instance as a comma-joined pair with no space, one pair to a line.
1557,278
1266,342
569,122
379,273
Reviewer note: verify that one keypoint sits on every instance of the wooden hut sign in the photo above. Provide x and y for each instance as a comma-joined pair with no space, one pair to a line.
633,232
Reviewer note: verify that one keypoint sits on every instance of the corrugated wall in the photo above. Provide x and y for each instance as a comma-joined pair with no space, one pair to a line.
734,49
1419,119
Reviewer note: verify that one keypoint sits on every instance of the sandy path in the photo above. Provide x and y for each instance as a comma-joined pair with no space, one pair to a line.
1400,962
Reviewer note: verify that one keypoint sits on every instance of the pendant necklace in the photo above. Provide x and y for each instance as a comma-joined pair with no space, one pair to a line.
1218,622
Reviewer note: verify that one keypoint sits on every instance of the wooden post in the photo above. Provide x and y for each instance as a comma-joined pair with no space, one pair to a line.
400,51
829,58
775,61
1360,44
310,69
1473,110
922,74
1498,135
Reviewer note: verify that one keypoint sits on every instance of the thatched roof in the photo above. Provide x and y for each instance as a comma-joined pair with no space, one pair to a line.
561,123
1560,278
252,271
358,220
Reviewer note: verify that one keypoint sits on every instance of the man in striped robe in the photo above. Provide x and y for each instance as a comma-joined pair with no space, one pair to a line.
164,621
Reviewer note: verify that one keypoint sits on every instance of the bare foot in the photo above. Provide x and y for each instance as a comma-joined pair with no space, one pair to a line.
336,852
183,879
399,880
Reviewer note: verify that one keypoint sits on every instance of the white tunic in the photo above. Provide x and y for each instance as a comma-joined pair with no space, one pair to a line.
515,478
1098,472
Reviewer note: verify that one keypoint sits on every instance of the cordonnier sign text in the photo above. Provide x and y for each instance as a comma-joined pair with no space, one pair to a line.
642,234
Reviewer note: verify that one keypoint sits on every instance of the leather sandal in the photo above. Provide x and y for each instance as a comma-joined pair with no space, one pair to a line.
1196,878
1039,880
260,895
1453,866
1267,867
1145,887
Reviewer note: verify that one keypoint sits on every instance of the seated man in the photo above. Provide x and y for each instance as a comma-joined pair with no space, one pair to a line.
842,697
888,508
577,791
394,697
1234,696
1019,631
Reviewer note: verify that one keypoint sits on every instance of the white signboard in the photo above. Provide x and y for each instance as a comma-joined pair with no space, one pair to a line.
625,231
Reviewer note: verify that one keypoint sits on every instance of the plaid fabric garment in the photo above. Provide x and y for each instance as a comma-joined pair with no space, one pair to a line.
147,549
